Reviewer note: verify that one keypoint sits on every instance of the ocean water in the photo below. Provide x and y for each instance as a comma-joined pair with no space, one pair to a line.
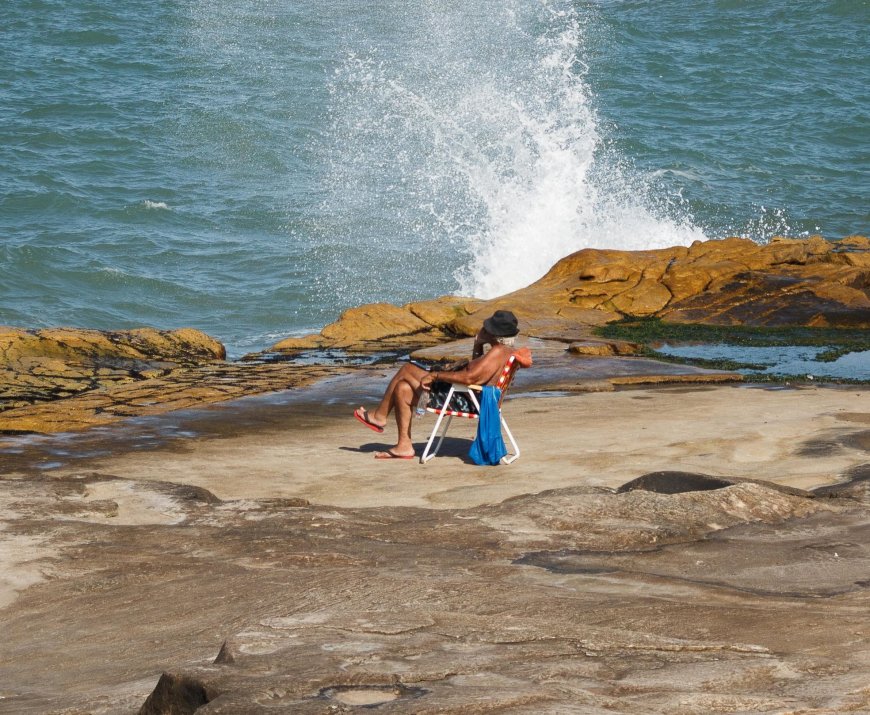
253,167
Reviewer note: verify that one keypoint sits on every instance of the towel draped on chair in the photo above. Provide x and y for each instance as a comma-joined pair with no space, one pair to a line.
488,447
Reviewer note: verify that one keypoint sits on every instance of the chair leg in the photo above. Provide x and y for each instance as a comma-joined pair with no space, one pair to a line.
507,459
426,456
443,433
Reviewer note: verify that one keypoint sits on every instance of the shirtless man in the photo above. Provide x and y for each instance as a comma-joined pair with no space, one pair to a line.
498,331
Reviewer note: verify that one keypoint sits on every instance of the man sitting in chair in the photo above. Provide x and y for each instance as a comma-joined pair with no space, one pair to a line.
498,331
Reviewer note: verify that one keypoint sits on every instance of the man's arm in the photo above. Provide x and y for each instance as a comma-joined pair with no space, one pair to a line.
479,343
478,372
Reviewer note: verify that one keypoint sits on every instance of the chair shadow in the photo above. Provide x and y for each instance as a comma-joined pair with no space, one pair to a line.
456,447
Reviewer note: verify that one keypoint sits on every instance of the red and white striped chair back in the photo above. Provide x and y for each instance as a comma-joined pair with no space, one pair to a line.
507,377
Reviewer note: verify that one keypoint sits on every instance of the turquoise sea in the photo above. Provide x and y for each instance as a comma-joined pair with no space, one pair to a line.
253,167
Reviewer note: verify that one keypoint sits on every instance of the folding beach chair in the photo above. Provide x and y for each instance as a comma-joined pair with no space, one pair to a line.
472,391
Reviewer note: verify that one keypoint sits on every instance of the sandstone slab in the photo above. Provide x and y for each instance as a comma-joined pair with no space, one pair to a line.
250,606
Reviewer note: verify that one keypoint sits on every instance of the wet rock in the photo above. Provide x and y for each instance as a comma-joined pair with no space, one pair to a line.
42,365
182,388
603,348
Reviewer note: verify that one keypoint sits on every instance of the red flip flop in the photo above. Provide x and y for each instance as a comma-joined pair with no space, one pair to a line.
391,455
364,419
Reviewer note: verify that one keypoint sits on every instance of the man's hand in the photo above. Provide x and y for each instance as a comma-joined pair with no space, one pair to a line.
427,380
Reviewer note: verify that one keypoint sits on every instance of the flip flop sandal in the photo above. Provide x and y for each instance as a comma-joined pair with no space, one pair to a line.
391,455
364,419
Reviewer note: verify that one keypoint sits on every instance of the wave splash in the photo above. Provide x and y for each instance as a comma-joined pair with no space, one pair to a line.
478,137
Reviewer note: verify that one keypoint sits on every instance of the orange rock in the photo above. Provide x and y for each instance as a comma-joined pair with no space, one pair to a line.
730,281
40,365
308,342
372,322
603,348
442,311
733,281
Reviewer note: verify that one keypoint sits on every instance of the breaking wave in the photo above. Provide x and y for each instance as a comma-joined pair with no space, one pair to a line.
480,140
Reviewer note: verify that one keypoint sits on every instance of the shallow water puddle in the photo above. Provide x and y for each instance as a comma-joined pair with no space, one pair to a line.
370,696
778,360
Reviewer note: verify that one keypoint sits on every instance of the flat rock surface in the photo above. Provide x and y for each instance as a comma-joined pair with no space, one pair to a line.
262,535
194,386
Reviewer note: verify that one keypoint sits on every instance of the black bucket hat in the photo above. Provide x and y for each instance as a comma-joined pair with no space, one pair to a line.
501,324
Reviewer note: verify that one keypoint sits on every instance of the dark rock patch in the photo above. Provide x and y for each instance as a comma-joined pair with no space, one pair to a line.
821,447
857,440
675,483
856,485
176,695
859,473
225,655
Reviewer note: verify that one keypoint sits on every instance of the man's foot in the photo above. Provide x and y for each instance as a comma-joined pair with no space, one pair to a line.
390,454
363,416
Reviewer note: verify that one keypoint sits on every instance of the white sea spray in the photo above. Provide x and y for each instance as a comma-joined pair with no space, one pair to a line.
491,149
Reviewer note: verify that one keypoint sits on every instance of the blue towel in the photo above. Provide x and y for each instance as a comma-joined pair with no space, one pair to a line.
488,447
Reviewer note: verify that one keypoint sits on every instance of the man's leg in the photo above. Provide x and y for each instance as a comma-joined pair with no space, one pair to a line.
409,375
403,397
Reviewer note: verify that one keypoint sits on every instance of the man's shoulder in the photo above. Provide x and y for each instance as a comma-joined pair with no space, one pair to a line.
499,353
523,356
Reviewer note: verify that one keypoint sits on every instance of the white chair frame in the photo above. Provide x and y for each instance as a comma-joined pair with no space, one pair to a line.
472,392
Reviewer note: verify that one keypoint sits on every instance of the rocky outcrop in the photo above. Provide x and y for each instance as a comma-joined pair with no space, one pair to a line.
381,326
41,365
178,389
788,282
622,602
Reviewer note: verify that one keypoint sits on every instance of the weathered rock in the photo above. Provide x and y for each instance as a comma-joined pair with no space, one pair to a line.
677,482
788,282
439,611
104,376
176,695
41,365
603,348
373,327
179,388
574,519
443,311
